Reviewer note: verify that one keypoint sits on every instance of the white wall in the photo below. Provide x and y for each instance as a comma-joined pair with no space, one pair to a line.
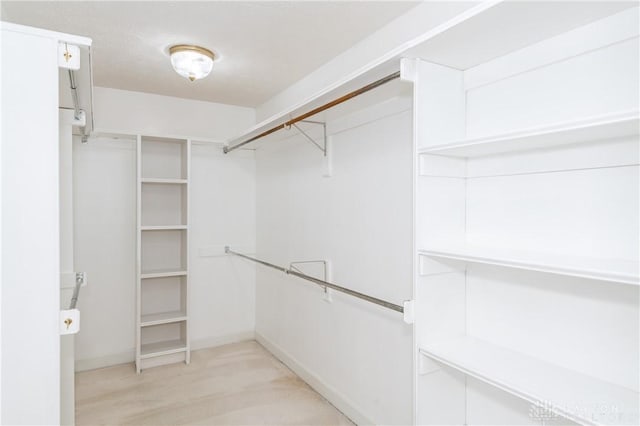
145,113
222,212
360,219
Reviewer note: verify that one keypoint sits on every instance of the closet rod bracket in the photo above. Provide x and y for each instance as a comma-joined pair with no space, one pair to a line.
325,274
322,147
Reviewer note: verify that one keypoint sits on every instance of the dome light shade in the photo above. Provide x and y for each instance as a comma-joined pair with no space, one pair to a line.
192,62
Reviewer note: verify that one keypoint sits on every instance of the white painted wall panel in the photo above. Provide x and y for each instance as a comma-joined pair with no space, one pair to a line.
223,212
105,200
145,113
598,82
360,220
591,213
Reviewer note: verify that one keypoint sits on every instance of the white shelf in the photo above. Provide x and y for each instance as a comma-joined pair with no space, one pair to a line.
625,124
162,318
151,350
164,181
162,274
570,394
619,271
163,228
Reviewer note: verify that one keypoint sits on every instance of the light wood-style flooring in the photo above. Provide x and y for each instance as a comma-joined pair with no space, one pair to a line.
237,384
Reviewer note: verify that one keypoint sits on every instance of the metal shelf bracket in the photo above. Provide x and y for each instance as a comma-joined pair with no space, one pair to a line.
325,275
322,147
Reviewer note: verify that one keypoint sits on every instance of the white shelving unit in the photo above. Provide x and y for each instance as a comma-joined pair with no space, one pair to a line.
162,331
527,195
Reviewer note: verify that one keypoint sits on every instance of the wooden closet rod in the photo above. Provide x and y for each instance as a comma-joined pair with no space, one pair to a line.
321,108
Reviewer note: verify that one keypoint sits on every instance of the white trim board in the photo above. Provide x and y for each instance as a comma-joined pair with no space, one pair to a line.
63,37
337,399
117,134
130,355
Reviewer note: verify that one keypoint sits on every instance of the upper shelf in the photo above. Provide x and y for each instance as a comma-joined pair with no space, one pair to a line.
610,126
570,394
463,39
613,270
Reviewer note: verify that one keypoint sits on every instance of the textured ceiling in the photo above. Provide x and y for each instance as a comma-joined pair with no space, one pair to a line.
263,46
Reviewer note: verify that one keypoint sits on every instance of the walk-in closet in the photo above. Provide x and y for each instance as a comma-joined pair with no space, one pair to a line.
320,213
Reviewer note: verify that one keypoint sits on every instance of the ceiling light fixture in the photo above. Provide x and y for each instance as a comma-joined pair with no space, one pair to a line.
192,62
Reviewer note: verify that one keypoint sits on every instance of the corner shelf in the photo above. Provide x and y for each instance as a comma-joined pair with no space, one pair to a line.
612,270
162,318
610,126
564,392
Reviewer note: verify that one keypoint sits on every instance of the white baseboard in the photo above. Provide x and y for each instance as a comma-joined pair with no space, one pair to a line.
105,361
212,342
331,394
130,355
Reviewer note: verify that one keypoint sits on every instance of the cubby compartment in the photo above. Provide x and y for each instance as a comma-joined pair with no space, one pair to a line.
163,251
164,159
163,339
163,300
164,204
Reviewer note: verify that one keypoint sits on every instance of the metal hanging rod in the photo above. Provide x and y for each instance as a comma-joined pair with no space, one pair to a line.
76,290
315,111
321,283
74,94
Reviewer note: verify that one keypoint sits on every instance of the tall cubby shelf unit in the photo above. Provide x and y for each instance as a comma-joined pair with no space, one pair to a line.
162,285
526,232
